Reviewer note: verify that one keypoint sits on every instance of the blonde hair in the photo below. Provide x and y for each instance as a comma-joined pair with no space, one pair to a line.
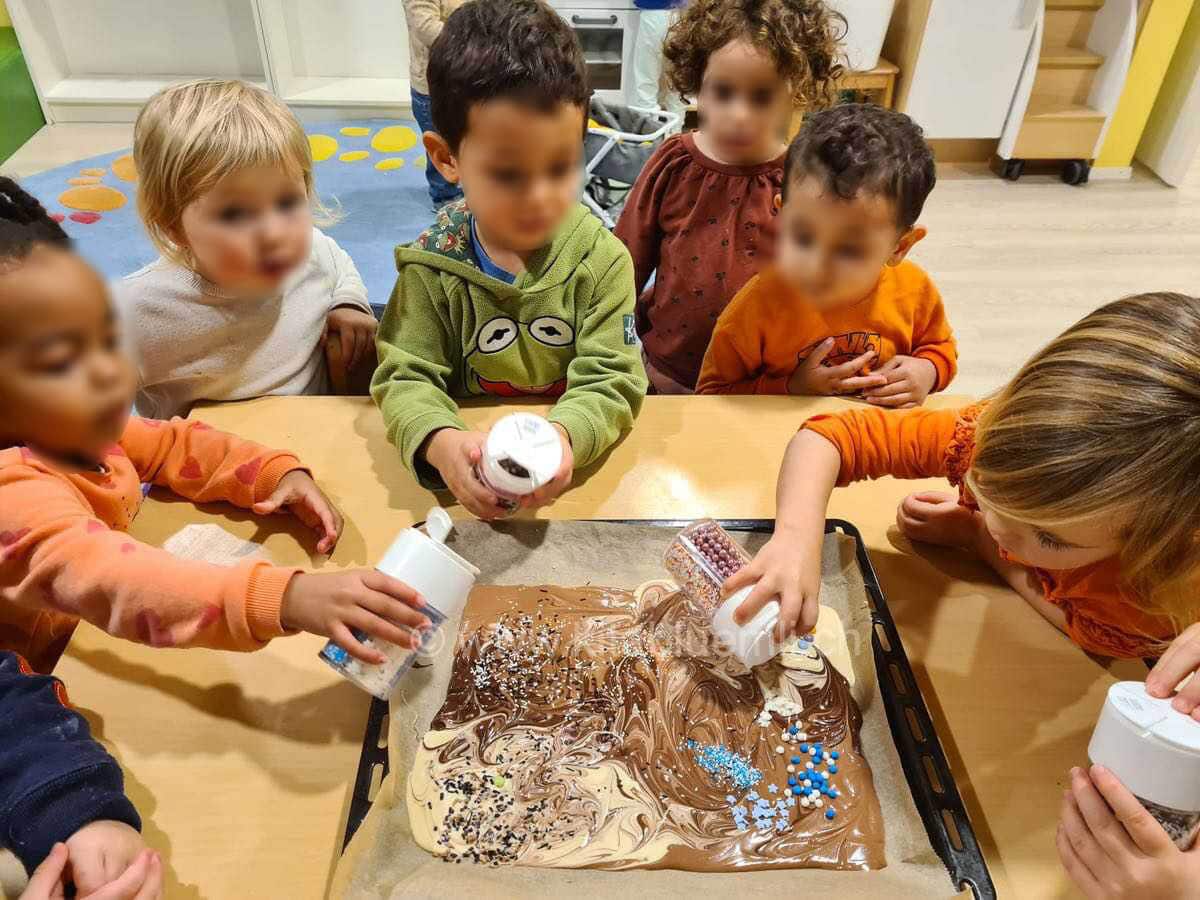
189,136
1105,421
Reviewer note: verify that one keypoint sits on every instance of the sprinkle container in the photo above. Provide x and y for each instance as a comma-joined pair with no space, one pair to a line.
522,453
1154,750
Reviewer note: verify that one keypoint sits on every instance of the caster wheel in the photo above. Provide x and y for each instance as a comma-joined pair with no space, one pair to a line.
1076,171
1012,169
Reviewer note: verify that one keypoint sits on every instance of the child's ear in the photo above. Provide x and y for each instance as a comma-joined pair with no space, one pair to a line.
778,201
908,240
439,154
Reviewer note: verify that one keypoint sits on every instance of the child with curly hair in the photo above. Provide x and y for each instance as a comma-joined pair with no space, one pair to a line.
702,217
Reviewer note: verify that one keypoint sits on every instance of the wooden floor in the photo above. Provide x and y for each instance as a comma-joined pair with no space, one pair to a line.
1016,263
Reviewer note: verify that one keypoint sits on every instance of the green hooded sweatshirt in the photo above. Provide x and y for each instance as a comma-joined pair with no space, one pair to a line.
563,330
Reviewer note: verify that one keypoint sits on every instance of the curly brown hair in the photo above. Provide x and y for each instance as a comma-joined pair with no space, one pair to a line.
802,36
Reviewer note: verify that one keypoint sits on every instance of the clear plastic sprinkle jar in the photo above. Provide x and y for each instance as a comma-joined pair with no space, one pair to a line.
700,558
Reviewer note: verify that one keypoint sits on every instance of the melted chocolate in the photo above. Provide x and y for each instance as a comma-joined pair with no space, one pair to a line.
566,740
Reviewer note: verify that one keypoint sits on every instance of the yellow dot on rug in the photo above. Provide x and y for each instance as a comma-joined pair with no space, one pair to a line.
322,146
394,139
92,198
354,155
419,162
84,179
124,168
355,131
386,165
96,171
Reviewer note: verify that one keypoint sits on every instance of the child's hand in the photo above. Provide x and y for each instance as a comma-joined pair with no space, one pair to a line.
141,880
455,454
356,331
300,495
908,381
1181,659
813,378
332,603
788,567
100,852
1114,850
562,478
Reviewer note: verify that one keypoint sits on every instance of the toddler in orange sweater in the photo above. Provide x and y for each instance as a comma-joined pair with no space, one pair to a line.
842,311
1079,484
71,464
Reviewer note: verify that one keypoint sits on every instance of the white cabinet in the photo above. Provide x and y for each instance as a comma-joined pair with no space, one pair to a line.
607,33
970,59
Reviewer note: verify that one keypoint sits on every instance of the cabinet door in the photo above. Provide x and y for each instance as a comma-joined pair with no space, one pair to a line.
970,60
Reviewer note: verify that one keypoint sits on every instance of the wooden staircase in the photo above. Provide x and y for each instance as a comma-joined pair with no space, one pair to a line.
1058,122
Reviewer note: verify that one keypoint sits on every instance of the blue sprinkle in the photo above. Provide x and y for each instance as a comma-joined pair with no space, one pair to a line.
798,790
773,789
835,755
833,770
820,749
794,730
781,825
791,781
791,801
803,749
753,795
834,792
730,799
761,802
829,813
795,760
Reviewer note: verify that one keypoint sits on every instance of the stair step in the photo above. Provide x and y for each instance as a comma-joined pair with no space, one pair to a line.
1069,58
1048,110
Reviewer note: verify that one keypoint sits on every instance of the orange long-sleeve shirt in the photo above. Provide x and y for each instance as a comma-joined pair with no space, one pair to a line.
1103,616
64,555
769,329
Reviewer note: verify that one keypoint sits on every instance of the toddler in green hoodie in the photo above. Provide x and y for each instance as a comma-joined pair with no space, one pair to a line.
517,291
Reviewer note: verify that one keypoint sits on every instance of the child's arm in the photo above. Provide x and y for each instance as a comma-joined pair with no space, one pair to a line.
933,362
205,465
833,450
56,783
350,322
606,382
419,350
733,363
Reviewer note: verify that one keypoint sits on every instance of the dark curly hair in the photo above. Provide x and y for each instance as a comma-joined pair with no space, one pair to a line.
24,223
519,49
803,37
857,147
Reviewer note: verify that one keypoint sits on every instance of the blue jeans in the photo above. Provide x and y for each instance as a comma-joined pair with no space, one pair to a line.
440,190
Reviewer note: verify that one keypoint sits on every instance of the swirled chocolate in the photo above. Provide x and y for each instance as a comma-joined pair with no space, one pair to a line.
588,727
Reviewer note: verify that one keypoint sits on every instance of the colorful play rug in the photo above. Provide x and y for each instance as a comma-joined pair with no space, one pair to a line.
373,171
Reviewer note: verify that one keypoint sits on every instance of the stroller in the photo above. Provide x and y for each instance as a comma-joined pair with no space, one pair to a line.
619,141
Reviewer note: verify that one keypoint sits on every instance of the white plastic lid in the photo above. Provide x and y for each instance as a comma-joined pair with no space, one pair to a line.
753,643
1150,746
521,441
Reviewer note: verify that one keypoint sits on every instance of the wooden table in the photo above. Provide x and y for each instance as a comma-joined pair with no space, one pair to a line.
242,764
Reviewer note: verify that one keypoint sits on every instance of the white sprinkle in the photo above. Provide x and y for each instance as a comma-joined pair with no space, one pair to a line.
807,782
779,749
802,736
818,801
791,769
812,751
808,765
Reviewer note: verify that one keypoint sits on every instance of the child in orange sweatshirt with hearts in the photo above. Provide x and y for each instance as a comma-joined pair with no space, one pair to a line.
72,461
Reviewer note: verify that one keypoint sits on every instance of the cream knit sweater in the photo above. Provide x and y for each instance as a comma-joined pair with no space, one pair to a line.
192,341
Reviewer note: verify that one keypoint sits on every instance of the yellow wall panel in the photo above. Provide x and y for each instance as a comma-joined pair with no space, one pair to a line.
1151,57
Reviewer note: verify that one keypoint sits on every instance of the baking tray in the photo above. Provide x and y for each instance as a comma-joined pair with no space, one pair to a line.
929,777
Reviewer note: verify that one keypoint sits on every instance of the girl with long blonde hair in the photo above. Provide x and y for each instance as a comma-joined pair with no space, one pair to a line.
1079,484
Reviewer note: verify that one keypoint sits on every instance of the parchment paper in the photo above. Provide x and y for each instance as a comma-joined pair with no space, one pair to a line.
383,861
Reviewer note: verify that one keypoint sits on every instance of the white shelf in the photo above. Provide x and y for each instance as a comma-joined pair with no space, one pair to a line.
334,91
117,89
